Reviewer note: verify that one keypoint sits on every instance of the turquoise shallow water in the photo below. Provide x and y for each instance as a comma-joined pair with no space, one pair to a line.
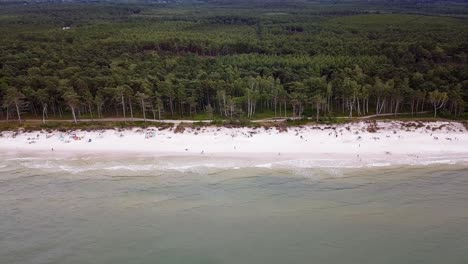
91,210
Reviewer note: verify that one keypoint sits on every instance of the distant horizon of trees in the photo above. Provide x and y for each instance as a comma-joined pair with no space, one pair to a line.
182,62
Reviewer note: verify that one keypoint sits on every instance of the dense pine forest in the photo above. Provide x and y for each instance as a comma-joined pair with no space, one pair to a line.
243,60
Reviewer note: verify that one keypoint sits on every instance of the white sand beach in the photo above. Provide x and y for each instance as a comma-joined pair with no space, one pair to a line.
353,144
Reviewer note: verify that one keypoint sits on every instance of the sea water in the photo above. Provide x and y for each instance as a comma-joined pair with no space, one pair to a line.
92,209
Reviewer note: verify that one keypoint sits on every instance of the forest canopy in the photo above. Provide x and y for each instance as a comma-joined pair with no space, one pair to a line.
236,60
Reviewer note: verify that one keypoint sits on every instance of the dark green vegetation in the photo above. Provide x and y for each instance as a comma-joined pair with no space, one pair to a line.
232,61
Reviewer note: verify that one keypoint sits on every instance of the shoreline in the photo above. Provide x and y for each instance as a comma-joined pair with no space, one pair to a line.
356,144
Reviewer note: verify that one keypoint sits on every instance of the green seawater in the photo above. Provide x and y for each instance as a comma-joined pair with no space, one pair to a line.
156,210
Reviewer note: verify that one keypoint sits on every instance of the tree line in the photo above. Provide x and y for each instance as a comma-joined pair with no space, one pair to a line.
226,93
125,62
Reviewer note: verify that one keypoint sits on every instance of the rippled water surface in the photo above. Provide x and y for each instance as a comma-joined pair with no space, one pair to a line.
169,210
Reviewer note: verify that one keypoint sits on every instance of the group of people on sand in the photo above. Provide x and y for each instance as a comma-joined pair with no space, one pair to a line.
150,134
67,138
